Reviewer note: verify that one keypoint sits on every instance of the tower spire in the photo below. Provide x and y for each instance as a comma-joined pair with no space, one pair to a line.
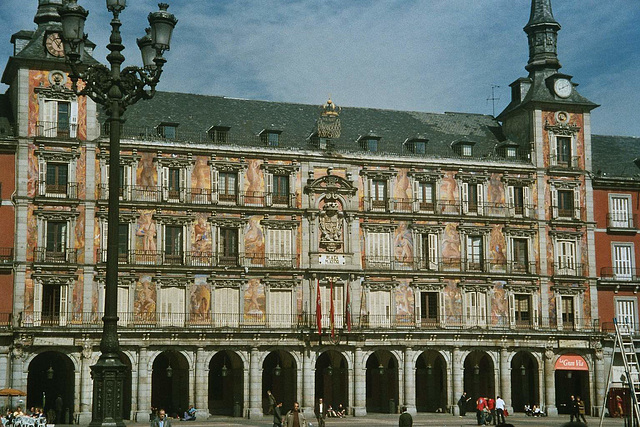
542,31
47,11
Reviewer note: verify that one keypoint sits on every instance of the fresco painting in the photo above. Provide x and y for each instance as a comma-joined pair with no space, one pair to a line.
32,232
201,176
495,195
402,189
255,301
145,232
449,187
254,239
79,233
497,248
77,300
145,297
499,304
254,183
403,244
32,174
450,243
81,172
147,173
200,300
453,301
28,295
404,302
553,310
201,239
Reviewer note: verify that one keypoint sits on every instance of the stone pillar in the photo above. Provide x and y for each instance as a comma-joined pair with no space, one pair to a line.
550,383
308,381
144,386
255,385
410,381
202,385
360,379
505,379
86,387
599,373
458,382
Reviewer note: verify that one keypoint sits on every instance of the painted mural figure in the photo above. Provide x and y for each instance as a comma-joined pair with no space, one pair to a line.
331,226
147,230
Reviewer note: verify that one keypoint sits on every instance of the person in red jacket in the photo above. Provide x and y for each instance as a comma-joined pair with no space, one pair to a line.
481,404
491,404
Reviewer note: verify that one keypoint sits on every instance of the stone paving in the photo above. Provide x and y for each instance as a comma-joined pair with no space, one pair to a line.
392,420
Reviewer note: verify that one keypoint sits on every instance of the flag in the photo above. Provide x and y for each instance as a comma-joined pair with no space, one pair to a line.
348,311
318,309
332,313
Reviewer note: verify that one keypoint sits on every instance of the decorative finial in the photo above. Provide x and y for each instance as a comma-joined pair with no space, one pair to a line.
329,120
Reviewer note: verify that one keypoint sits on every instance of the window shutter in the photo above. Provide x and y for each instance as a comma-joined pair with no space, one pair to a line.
73,119
511,200
64,291
103,239
433,251
576,203
49,124
534,303
37,302
554,203
269,187
165,183
553,150
526,200
480,199
417,195
214,185
338,304
465,197
470,307
577,313
64,235
512,310
126,184
370,195
42,177
183,183
441,308
123,305
483,301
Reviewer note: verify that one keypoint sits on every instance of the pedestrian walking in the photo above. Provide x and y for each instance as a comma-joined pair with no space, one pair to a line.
481,406
581,410
295,417
320,411
573,409
500,410
406,420
272,401
277,415
462,404
491,405
161,420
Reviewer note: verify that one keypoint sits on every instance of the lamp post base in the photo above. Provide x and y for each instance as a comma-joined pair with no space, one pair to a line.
108,386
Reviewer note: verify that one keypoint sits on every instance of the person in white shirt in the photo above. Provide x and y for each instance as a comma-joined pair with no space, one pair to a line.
500,410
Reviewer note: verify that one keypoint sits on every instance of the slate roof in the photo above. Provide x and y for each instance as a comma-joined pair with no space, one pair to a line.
247,118
613,156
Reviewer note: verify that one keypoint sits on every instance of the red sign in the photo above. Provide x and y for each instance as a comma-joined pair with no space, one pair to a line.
571,362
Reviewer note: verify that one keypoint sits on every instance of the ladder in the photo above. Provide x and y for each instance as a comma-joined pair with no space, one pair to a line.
624,341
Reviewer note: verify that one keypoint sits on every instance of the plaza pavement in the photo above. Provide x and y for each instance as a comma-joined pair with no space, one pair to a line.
374,420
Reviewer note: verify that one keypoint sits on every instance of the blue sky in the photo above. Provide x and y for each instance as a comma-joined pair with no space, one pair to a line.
423,55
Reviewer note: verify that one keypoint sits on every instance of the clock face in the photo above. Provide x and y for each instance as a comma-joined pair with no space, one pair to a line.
562,88
54,45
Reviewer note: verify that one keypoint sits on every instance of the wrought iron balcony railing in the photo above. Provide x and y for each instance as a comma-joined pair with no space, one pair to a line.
57,191
58,130
569,269
64,256
205,259
6,255
621,273
448,265
564,162
624,221
448,207
565,213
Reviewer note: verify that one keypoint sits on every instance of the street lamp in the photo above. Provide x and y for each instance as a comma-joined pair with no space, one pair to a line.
169,371
50,373
381,369
476,369
523,370
115,89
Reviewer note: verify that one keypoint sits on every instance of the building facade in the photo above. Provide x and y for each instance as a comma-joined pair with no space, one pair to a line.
374,258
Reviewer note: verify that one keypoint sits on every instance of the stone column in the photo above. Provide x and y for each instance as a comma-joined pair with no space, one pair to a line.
360,379
456,373
144,386
308,381
505,379
202,385
550,383
255,385
410,381
599,373
86,387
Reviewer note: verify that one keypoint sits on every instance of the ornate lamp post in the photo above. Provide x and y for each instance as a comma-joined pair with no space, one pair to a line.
115,89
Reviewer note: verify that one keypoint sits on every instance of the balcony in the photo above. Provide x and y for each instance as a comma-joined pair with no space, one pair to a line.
205,259
6,256
622,222
57,191
65,256
570,163
448,265
620,274
565,213
448,207
299,322
569,269
56,130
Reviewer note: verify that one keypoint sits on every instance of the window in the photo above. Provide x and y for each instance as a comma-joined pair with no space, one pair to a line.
623,261
172,307
472,198
417,147
522,310
378,194
519,199
227,183
568,311
429,307
270,138
173,244
279,251
219,134
619,212
56,241
520,255
430,251
378,249
50,303
58,119
369,144
226,306
123,242
466,150
566,258
280,308
380,308
565,203
564,150
475,308
475,253
280,189
168,130
174,183
325,295
626,312
511,152
426,196
228,246
57,178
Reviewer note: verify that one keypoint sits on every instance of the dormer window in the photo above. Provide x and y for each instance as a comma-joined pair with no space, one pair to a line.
511,152
219,134
270,137
168,130
369,143
319,142
463,148
417,145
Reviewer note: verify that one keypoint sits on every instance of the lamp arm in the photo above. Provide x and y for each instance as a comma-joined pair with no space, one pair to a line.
134,82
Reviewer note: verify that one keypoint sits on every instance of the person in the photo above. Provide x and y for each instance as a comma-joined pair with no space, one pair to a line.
342,411
161,420
481,405
500,410
331,412
573,409
406,420
619,411
581,410
491,405
272,401
320,411
462,404
277,415
59,405
190,414
295,417
527,410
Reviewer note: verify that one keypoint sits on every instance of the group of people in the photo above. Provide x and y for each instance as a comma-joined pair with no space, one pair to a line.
10,416
488,409
295,417
577,409
533,411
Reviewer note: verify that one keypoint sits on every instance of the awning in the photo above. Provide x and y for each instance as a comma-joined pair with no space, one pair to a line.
571,362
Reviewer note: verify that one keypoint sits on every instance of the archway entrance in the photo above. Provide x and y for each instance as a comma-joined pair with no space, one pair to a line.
382,383
226,384
524,381
431,382
126,390
332,379
479,378
279,374
170,383
50,385
572,379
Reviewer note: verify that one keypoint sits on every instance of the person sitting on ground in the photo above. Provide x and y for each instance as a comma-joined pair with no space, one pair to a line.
527,410
190,414
331,412
342,411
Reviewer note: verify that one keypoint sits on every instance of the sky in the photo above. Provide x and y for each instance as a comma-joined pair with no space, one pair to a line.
418,55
